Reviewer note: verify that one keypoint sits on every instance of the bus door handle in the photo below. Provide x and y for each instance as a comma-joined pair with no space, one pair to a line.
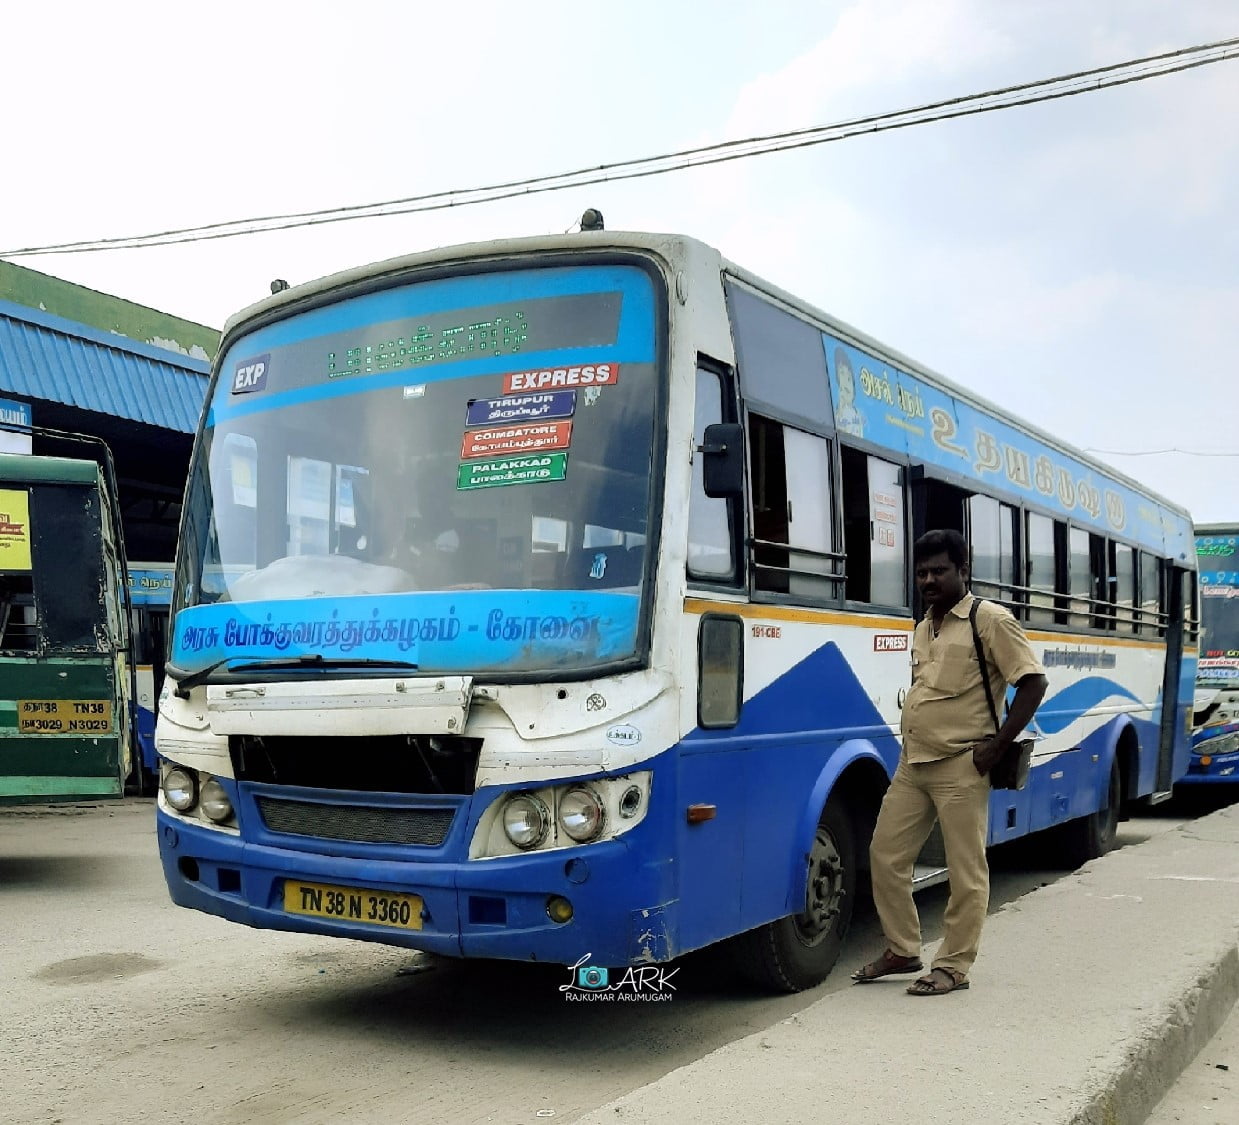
900,696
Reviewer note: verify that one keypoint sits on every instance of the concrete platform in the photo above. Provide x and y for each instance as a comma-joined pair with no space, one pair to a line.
1089,998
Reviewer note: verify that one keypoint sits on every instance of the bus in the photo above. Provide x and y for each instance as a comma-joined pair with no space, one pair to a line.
1215,740
150,592
550,600
66,687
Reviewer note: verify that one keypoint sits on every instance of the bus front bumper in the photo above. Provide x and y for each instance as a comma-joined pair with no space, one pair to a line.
493,908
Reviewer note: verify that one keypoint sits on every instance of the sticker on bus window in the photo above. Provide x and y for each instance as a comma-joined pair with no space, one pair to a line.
505,440
14,529
250,375
553,378
521,408
496,473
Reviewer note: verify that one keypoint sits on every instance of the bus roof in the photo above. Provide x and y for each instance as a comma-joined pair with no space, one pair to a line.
672,247
24,468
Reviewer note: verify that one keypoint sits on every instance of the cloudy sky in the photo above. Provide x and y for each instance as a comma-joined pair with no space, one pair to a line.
1076,261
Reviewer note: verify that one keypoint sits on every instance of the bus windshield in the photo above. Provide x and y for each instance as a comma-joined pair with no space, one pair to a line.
1219,635
453,474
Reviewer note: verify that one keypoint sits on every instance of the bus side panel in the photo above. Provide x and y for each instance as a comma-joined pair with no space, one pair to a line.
770,776
711,852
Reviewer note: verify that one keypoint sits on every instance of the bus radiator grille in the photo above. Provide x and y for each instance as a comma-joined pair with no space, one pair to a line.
362,824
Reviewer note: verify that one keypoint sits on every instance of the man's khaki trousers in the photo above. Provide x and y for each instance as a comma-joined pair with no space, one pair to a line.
953,793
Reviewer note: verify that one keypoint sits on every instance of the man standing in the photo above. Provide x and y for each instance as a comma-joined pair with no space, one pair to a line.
949,745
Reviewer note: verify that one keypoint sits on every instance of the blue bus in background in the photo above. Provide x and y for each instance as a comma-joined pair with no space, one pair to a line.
150,592
1215,737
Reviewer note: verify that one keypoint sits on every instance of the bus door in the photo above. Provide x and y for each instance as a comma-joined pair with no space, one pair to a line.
1173,748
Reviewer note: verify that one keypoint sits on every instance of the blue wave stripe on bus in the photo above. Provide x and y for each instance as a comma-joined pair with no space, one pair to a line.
1057,712
820,695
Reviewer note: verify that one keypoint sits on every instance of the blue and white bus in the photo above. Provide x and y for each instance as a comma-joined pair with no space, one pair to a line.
150,594
550,599
1215,741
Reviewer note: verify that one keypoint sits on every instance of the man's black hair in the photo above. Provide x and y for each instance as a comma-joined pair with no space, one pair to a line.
945,541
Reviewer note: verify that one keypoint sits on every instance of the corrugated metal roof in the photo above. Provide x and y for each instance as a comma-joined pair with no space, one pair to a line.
47,357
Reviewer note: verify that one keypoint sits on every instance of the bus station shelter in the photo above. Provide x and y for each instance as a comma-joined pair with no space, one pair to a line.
76,360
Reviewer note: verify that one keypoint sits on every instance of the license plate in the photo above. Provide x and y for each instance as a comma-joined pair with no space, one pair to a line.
354,904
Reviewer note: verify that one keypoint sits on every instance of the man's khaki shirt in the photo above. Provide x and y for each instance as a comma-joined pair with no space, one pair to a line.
945,711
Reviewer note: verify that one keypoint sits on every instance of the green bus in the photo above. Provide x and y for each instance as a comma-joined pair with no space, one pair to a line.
66,677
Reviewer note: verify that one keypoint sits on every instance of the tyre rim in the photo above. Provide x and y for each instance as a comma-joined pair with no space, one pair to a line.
824,898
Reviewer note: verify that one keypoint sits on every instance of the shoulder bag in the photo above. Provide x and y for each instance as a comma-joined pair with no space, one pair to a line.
1012,769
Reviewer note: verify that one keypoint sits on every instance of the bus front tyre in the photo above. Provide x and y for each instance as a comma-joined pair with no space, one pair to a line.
797,952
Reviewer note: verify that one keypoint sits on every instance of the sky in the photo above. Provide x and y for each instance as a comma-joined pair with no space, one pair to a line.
1076,262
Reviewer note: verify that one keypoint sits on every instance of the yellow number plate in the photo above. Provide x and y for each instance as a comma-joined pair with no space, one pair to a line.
354,904
64,716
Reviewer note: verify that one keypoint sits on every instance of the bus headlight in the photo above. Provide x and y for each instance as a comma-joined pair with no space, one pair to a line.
581,814
525,821
215,803
180,788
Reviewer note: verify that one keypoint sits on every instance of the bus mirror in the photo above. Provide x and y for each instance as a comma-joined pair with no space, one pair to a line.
722,448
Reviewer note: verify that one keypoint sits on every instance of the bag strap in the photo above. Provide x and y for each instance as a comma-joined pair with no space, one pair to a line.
976,640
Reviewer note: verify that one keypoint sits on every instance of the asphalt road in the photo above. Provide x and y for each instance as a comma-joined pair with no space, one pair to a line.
118,1006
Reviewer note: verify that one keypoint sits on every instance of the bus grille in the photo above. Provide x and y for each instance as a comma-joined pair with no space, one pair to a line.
363,824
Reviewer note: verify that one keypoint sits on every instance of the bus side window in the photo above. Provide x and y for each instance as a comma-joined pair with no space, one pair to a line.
792,521
991,535
1123,587
711,554
1040,568
874,529
1151,622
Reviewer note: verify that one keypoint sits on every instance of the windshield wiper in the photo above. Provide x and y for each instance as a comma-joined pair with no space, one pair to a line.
310,661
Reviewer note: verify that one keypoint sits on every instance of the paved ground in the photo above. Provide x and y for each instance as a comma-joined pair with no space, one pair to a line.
1091,997
1093,989
1207,1092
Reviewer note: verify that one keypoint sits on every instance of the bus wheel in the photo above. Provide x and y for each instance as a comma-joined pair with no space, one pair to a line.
1092,836
797,952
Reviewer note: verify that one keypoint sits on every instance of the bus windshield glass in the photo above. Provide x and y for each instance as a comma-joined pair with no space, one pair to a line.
453,474
1219,610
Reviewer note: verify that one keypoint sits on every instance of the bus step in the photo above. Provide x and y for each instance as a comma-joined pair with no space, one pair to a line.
927,875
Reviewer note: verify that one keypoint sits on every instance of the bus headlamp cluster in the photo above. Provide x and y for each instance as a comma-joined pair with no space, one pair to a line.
578,813
186,790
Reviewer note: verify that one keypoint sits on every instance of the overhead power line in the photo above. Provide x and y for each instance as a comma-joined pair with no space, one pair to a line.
1008,97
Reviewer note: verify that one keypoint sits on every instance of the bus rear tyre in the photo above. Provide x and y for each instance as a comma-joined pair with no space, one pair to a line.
797,952
1092,836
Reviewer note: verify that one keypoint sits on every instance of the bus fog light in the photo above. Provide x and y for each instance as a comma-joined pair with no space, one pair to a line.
525,820
180,788
581,814
215,803
558,909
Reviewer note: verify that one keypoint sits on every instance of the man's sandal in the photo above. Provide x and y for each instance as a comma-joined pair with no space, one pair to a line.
887,965
938,982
